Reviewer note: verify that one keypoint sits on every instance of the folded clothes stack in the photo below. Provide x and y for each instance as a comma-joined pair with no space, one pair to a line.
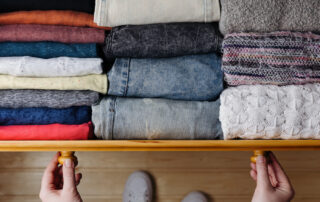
271,46
166,80
50,72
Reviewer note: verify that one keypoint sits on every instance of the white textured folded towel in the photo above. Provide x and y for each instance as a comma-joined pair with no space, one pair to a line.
271,112
114,13
53,67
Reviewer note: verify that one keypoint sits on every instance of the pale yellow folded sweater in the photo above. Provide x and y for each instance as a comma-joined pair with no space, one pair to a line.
96,83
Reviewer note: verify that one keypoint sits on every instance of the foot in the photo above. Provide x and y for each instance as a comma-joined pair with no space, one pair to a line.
138,188
195,197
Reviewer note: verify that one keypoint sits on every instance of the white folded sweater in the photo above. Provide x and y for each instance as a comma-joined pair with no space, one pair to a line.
271,112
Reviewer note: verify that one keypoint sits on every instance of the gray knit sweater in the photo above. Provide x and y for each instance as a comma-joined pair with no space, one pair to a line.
269,15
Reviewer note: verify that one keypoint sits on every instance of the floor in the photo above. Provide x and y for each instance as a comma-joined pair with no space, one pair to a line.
223,175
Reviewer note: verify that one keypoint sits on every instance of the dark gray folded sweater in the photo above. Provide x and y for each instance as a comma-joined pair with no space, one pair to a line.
269,15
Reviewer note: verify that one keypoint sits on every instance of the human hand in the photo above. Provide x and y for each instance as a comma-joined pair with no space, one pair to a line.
59,183
272,182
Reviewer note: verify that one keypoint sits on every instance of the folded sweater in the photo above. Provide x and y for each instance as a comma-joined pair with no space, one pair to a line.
54,67
162,40
131,119
18,5
50,17
114,13
48,50
44,116
269,15
47,98
47,132
55,33
271,112
96,83
279,58
192,77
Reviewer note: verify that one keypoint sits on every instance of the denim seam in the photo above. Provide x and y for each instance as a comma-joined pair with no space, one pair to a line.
128,77
111,117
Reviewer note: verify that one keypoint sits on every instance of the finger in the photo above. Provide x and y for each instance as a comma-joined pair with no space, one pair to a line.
78,178
279,172
262,173
69,183
253,166
253,175
49,173
272,176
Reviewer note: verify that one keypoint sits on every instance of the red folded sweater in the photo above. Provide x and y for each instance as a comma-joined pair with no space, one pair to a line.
47,132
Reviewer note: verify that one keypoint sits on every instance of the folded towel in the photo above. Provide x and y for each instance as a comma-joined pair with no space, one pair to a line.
271,112
51,17
18,5
54,67
278,58
269,15
113,13
46,98
163,40
47,132
96,83
194,77
64,34
130,119
48,50
44,116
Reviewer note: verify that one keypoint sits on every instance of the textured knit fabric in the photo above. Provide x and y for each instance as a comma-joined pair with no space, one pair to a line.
54,67
278,58
48,50
47,132
18,5
64,34
132,118
193,77
162,40
269,15
96,83
114,13
46,98
44,116
51,17
271,112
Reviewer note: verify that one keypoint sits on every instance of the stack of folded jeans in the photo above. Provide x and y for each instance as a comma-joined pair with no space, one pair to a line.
50,73
166,79
275,54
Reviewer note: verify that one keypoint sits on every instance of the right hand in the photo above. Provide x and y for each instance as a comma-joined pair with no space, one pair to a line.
60,183
272,182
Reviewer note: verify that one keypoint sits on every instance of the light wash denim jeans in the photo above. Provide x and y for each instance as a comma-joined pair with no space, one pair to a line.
159,119
193,77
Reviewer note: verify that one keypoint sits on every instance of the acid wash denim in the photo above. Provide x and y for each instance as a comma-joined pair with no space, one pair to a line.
194,77
163,40
156,119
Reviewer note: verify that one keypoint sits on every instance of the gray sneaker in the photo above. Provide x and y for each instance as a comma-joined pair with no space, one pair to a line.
195,197
138,188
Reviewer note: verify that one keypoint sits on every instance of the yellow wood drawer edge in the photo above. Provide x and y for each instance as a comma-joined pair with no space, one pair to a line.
161,145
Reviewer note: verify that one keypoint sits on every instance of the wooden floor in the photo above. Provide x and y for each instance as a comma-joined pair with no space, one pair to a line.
223,175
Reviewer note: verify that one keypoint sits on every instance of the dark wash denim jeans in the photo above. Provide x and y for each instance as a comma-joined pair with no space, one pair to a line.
156,119
194,77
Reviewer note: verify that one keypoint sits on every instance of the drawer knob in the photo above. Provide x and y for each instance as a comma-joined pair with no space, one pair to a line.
67,155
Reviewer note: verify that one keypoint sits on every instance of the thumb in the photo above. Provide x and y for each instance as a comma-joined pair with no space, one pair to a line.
262,173
69,182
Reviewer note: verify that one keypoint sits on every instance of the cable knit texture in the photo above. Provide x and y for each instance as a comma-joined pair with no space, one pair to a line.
44,116
114,13
64,34
271,112
54,67
269,15
48,50
279,58
47,98
96,83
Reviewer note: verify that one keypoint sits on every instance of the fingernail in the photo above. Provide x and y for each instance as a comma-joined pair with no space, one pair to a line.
68,163
260,159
